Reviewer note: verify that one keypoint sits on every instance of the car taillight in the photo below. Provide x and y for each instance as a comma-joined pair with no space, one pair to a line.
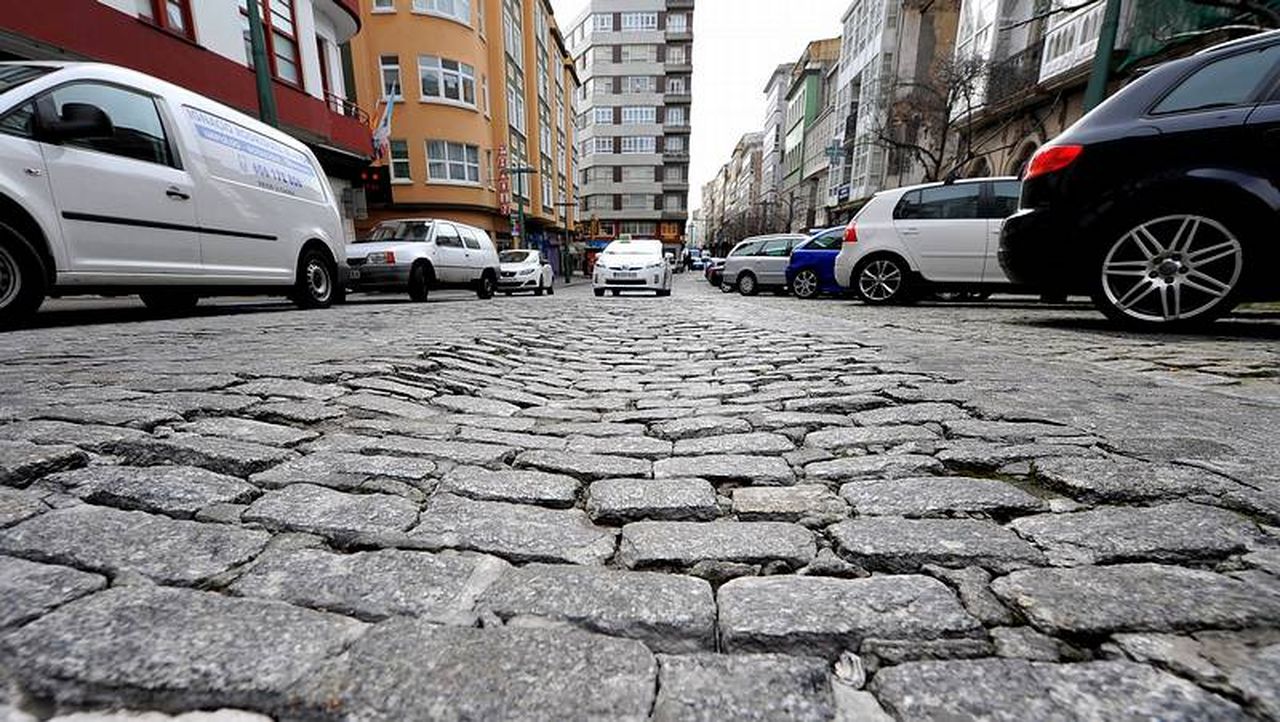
851,233
1051,158
388,257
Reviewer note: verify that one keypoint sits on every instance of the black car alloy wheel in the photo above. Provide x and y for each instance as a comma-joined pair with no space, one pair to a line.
1181,267
881,280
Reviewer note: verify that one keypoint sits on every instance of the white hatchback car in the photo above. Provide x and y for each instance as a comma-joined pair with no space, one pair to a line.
936,236
115,182
632,265
525,269
419,255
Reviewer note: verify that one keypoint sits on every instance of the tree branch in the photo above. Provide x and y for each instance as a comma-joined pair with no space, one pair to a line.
1263,11
1048,14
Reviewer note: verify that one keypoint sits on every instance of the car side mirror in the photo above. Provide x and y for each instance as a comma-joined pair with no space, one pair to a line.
79,121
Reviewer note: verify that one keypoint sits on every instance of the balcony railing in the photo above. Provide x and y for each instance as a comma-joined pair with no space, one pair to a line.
679,4
345,107
1072,40
1016,74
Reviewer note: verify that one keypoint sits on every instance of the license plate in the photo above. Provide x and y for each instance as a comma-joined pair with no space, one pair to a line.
353,274
626,274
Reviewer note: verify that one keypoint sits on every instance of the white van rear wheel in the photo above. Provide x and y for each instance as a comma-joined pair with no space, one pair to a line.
22,280
315,285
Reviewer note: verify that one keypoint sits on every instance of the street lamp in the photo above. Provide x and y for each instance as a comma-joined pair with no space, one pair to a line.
521,171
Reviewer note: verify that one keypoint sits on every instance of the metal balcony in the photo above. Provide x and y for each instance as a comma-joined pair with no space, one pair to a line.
1015,75
679,4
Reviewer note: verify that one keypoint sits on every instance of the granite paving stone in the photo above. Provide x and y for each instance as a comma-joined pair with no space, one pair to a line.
93,437
988,455
139,646
475,405
583,465
1172,532
1014,431
842,439
17,505
668,612
808,420
762,687
229,456
973,584
403,669
259,432
910,414
296,412
589,428
21,462
697,426
881,466
290,389
1134,597
372,585
644,447
758,442
933,496
380,404
459,452
1256,680
847,404
176,491
169,551
197,403
904,545
727,468
661,544
824,616
30,589
514,485
349,472
511,438
1015,690
618,501
1112,480
811,505
345,519
112,414
516,532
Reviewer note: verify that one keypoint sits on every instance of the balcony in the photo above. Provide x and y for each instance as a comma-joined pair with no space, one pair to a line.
679,66
679,4
1072,41
682,97
1016,75
677,36
675,154
850,129
682,128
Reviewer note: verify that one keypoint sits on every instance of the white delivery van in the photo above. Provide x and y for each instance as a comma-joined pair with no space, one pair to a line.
115,182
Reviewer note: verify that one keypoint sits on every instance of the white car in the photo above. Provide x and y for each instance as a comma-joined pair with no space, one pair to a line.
632,265
931,237
525,270
419,255
115,182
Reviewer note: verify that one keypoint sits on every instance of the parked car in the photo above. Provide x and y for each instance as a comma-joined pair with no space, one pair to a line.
811,271
523,269
698,260
760,262
115,182
1161,203
419,255
713,271
926,238
632,265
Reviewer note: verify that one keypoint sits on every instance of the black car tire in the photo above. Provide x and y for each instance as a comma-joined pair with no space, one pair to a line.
806,284
615,292
22,279
1186,255
747,284
663,293
888,282
599,292
538,291
420,282
485,287
317,280
169,302
551,290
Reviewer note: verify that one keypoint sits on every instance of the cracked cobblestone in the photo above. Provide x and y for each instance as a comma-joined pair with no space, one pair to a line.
570,507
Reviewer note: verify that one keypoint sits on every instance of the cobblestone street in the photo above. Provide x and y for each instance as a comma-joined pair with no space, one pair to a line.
703,507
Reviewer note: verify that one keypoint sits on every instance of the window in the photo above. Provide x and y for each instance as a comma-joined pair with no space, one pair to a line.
677,23
544,129
391,88
678,54
470,239
548,187
603,22
638,84
443,79
511,33
515,97
778,247
676,116
19,121
484,93
384,6
950,202
635,114
544,80
639,21
452,162
447,236
599,174
639,228
1004,200
604,145
677,85
281,36
561,158
400,161
171,15
831,240
637,200
637,174
639,144
676,173
639,53
673,202
604,116
674,144
137,130
746,248
459,10
1233,80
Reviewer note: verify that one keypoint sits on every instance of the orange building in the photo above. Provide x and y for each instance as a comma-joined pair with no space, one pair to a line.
478,87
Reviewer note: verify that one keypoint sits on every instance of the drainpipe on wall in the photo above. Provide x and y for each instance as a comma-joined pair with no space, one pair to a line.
261,70
1101,73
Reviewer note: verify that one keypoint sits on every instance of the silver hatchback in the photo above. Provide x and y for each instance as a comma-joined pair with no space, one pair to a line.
760,262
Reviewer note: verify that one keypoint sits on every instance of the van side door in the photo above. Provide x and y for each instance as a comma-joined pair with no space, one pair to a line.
473,252
125,201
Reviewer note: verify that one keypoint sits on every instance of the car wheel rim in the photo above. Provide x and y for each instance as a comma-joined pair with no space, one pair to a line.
806,283
1172,268
880,280
747,284
10,278
318,280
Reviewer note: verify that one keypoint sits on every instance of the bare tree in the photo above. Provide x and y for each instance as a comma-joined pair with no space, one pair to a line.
925,116
1264,13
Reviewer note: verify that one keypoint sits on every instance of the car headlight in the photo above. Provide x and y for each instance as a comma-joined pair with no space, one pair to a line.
525,271
659,264
381,258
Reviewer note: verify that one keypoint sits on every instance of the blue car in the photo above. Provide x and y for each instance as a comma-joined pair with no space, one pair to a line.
812,268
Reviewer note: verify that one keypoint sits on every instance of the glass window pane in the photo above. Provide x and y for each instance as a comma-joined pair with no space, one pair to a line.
430,83
456,152
451,89
438,171
138,132
1226,82
949,202
435,150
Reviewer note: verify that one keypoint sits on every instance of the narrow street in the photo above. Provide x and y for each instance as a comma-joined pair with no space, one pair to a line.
698,507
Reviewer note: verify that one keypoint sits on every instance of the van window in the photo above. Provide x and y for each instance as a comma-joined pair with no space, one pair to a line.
1004,199
469,239
238,154
138,132
447,236
948,202
1232,80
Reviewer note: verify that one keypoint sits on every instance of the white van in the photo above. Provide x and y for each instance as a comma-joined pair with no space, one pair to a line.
115,182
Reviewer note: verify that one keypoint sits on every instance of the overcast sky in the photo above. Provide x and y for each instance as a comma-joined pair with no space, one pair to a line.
736,45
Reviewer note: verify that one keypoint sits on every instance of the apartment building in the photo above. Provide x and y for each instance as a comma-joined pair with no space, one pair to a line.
635,58
482,119
203,46
806,99
1039,64
775,113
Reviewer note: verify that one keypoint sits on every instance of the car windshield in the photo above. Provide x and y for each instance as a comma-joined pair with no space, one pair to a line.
399,231
11,76
634,248
516,256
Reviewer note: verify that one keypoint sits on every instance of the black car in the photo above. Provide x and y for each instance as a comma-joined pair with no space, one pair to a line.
1162,203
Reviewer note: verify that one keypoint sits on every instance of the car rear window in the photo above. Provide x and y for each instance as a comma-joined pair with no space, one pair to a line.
746,249
1229,81
948,202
